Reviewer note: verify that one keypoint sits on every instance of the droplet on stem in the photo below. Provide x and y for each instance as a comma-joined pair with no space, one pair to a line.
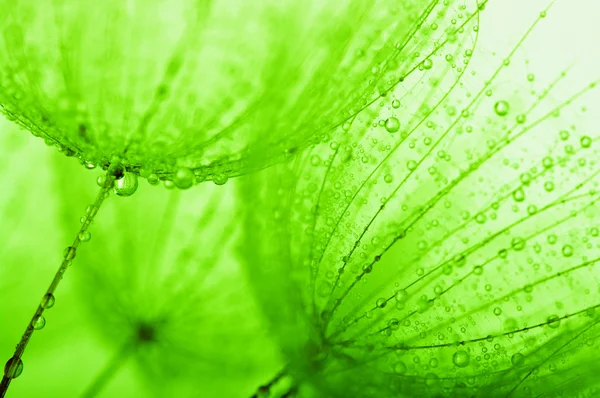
127,185
13,368
48,301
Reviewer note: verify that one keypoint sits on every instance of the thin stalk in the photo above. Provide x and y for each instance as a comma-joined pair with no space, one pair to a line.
265,388
109,370
14,366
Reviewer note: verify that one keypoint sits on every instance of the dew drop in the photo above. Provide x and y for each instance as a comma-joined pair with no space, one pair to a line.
392,125
395,104
400,368
85,236
567,250
461,359
519,195
388,178
501,108
184,178
517,359
411,165
220,179
427,64
586,142
70,253
13,368
48,301
38,322
127,185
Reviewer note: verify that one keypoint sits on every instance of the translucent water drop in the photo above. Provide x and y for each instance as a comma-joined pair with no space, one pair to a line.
411,165
38,322
567,250
127,185
153,179
400,368
48,301
13,368
461,359
392,125
85,236
388,178
427,64
220,179
501,108
586,142
521,119
184,178
70,253
517,359
519,195
395,104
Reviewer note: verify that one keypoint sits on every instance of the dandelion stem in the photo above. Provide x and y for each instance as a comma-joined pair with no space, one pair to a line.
265,388
111,368
14,365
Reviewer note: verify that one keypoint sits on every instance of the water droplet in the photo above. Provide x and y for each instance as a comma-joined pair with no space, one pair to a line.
519,195
400,368
85,236
127,185
153,179
48,301
517,359
38,322
501,108
101,181
388,178
461,359
497,311
521,119
381,302
13,368
395,104
184,178
427,64
220,179
411,165
586,142
70,253
553,321
392,125
567,250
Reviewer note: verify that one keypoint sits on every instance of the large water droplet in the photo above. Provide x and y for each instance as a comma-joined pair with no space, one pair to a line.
184,178
517,359
392,125
127,185
48,301
70,253
13,368
501,108
461,359
38,322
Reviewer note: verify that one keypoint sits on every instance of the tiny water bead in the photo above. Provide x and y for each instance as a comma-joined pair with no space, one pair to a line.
501,108
38,322
461,359
184,178
126,185
48,301
392,125
13,368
